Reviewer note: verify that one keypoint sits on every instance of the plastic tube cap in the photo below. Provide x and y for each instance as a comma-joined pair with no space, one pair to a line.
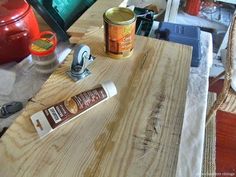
110,88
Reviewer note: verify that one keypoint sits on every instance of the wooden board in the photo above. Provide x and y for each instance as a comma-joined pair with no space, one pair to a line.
92,20
134,134
43,26
171,10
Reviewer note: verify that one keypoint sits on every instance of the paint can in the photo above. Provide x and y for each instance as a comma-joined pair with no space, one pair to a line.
119,32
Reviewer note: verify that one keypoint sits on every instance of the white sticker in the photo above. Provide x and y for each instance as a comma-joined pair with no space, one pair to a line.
54,114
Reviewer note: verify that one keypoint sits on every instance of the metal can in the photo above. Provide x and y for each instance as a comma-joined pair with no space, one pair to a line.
119,32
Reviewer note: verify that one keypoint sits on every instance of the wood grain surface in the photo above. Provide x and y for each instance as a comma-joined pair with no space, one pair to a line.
92,20
134,134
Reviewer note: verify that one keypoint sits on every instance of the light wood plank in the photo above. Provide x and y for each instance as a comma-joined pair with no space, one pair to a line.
43,26
135,133
92,19
171,10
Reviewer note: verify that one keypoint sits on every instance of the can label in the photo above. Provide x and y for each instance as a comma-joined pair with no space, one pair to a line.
119,39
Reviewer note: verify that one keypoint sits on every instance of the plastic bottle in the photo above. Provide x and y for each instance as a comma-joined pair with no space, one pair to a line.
43,52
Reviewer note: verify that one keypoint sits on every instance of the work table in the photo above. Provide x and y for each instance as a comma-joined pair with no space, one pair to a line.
136,133
148,129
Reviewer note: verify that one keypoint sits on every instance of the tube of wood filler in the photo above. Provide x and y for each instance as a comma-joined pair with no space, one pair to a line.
47,120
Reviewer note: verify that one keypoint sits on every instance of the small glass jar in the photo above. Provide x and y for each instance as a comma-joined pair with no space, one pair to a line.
43,52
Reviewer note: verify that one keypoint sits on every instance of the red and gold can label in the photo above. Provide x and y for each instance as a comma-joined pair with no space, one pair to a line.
121,38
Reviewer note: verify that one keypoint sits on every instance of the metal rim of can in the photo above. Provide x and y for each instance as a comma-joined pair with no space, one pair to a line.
110,13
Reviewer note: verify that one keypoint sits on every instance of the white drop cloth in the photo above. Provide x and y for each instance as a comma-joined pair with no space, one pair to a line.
26,83
193,131
10,77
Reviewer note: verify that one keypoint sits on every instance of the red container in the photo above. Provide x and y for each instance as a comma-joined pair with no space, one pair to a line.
43,52
193,7
18,27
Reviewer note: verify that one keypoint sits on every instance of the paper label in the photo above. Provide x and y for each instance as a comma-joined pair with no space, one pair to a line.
65,110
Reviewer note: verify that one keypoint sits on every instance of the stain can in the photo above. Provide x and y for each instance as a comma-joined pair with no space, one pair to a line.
119,32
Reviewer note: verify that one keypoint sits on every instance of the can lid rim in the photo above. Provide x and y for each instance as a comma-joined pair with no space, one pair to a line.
126,22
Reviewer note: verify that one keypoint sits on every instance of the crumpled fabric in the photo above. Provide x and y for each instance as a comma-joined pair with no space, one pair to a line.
27,81
192,137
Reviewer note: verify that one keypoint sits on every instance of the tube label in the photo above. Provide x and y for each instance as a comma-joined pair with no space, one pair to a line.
47,120
65,110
